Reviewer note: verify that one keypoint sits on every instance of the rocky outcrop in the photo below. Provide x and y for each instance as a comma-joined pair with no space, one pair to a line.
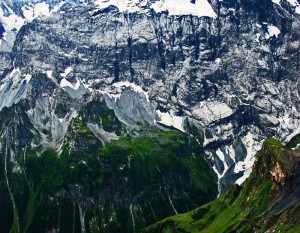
278,175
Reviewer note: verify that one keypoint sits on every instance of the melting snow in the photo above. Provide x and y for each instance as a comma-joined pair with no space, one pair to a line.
185,7
293,2
41,8
296,4
135,87
221,156
276,1
101,133
273,31
246,165
28,77
170,119
181,7
66,72
65,83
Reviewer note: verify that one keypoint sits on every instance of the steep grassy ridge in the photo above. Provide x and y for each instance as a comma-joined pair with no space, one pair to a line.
268,201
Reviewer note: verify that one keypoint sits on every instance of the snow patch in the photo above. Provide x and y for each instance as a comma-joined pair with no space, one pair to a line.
181,7
30,13
170,119
273,31
135,87
296,4
123,5
218,60
27,77
258,25
231,152
65,83
276,1
246,166
66,72
11,21
41,9
185,7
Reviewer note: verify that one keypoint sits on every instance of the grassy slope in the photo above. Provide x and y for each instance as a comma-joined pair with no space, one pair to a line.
243,209
148,167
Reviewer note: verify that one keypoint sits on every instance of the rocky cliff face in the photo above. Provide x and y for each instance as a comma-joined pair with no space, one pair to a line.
227,80
14,14
234,73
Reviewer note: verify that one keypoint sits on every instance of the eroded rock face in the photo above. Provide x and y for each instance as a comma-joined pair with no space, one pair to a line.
290,161
278,175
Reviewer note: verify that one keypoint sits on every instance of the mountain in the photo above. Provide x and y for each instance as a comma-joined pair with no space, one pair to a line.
15,13
117,114
268,201
188,67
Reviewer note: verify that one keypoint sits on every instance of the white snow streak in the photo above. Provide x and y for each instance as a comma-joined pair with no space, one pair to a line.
222,157
246,165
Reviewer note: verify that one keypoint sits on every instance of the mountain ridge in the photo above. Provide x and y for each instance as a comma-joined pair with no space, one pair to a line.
199,74
130,103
